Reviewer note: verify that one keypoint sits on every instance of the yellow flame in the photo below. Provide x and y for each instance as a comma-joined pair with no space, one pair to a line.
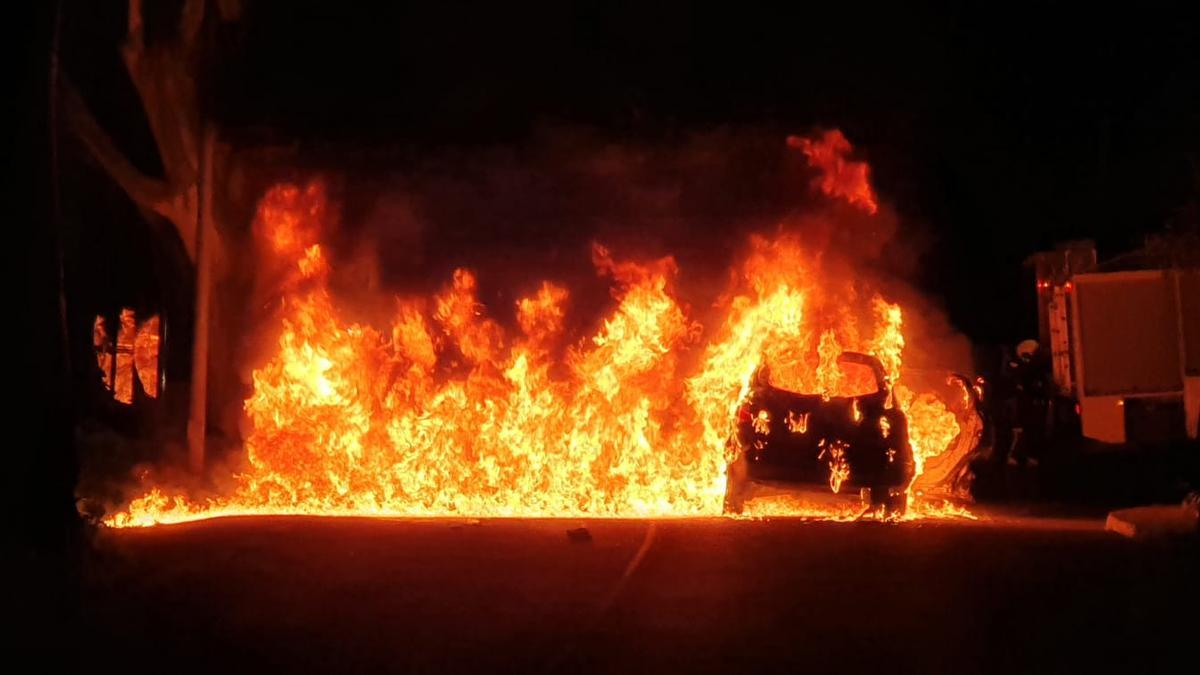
445,413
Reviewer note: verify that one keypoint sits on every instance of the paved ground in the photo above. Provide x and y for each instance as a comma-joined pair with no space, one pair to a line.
276,595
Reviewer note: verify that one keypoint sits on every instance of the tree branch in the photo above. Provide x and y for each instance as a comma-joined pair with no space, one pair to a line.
189,23
162,76
230,10
134,26
176,203
151,193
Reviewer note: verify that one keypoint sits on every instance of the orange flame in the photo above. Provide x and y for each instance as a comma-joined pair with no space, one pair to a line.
840,178
126,336
445,413
289,217
145,355
102,344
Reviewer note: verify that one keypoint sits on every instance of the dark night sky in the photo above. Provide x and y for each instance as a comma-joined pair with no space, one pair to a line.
995,131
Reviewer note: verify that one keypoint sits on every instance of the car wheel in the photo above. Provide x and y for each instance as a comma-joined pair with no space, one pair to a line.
888,502
895,504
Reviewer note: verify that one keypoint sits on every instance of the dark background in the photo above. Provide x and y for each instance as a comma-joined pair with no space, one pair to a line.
993,131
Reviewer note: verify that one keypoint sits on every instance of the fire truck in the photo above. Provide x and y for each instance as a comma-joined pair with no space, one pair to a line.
1124,338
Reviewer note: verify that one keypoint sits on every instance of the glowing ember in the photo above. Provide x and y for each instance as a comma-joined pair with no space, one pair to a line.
445,412
762,423
797,424
839,467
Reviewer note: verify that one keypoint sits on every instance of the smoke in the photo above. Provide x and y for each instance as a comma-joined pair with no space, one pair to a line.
519,214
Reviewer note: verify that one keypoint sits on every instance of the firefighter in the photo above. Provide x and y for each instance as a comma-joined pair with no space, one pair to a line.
1003,407
1032,398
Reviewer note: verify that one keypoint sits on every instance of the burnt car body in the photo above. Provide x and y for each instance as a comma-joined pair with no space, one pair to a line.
844,443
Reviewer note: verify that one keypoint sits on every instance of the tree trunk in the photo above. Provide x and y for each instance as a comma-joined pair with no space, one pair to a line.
164,75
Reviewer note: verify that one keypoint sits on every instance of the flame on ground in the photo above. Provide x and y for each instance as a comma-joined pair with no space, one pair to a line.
444,412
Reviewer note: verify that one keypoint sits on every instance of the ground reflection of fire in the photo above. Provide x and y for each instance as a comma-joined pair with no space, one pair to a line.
444,412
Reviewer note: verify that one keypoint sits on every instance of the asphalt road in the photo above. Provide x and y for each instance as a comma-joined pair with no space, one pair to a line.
298,594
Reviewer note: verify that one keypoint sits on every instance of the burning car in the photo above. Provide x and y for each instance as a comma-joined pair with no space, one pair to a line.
842,442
